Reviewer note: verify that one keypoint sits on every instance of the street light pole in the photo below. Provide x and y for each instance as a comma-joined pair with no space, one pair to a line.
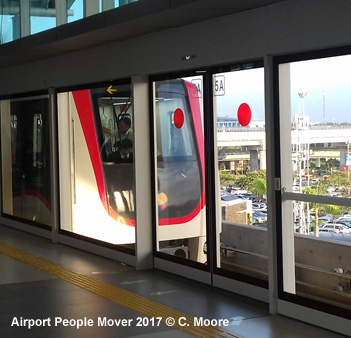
347,162
303,146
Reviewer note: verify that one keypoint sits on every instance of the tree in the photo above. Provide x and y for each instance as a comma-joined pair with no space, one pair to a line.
246,181
258,187
324,208
314,206
338,180
226,178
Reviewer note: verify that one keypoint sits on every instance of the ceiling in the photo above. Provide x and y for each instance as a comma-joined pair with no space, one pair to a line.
126,22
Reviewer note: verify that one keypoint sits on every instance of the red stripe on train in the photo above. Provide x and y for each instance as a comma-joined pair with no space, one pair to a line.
82,100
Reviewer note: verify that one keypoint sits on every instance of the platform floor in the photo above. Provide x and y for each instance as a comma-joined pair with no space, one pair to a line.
55,307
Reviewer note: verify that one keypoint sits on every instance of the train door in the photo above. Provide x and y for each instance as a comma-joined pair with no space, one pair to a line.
26,168
97,166
217,217
181,231
240,163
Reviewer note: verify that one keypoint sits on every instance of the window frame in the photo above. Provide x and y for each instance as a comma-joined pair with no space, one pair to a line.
284,195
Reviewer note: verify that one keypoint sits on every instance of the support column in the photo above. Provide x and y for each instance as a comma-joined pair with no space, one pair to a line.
16,27
318,162
91,7
54,165
61,12
232,166
6,157
271,193
263,162
343,152
107,5
142,158
286,182
25,18
253,160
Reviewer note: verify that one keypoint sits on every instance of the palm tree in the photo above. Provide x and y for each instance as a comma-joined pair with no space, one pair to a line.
258,187
327,208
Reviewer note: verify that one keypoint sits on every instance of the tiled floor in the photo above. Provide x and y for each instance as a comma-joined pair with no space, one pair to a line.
27,293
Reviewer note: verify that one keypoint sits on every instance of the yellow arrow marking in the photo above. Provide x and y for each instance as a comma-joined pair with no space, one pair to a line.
110,90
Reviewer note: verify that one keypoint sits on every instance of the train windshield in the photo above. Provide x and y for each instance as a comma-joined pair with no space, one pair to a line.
113,115
114,118
175,142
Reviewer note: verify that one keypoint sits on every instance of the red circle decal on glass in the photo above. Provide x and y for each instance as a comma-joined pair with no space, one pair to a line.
244,114
178,118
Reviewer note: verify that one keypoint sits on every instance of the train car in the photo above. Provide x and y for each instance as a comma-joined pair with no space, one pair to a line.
96,187
180,168
99,177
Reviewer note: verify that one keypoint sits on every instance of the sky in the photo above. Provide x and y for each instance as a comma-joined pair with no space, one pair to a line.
331,76
245,86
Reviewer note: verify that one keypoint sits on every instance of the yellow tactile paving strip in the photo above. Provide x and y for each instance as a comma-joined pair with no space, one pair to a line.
125,298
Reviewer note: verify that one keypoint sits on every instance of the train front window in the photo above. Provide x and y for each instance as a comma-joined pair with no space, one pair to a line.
175,142
114,123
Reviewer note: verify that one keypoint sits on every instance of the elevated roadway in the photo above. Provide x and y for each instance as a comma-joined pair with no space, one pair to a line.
242,136
324,141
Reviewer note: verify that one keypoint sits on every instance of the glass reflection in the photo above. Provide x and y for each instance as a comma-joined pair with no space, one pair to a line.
315,108
241,153
74,10
100,142
26,179
9,21
181,227
42,16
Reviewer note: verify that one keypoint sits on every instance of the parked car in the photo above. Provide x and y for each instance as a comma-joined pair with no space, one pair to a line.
251,197
228,199
259,207
259,217
344,220
238,191
339,227
334,231
243,197
325,219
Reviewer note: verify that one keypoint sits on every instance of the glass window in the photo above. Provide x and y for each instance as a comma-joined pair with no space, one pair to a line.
25,153
241,153
97,168
9,21
42,16
74,10
315,149
119,3
181,229
111,4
